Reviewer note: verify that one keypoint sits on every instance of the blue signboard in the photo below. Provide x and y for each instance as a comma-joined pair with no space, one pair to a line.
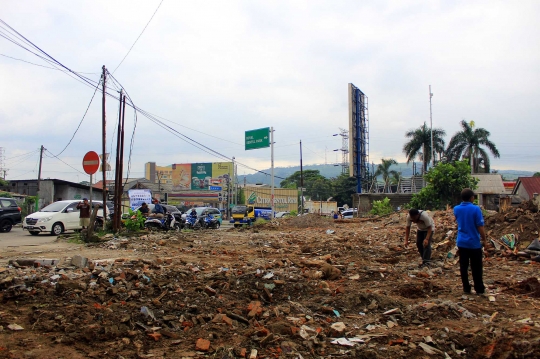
214,188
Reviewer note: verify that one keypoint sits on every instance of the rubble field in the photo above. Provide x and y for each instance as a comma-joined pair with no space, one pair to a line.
301,287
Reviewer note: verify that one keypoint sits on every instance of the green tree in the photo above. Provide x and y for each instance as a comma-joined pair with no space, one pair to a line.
317,186
419,144
293,181
383,169
344,186
320,189
537,174
3,183
444,184
466,144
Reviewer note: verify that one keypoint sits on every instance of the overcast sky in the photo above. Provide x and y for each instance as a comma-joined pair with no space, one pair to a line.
215,69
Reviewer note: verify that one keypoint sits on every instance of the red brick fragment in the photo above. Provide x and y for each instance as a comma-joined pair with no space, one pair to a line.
202,344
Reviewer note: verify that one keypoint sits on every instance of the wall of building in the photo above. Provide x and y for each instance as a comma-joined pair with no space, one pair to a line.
65,192
158,174
285,199
364,201
522,193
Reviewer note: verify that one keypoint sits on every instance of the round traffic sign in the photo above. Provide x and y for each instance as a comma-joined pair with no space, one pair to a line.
90,162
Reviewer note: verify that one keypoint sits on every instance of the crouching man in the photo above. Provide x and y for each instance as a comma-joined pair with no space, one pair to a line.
424,233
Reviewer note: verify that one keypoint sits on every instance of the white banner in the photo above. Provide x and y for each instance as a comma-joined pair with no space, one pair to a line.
138,196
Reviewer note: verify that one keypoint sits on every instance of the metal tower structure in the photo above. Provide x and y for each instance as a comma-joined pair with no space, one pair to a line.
344,150
359,138
3,169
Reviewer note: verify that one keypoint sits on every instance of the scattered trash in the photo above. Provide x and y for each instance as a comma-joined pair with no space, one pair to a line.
509,240
15,327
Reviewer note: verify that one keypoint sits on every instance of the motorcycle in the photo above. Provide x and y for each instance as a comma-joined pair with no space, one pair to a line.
209,222
192,223
167,223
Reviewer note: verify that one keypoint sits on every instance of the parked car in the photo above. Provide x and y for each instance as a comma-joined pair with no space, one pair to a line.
56,218
282,214
213,211
10,214
349,213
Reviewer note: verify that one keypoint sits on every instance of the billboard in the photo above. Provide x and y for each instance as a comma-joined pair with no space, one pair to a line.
358,137
200,176
139,196
222,172
285,199
181,176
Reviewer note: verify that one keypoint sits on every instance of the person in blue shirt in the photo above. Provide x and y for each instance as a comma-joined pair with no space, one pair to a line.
470,238
158,211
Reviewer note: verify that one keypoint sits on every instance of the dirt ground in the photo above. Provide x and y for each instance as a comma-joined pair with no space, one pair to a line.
302,287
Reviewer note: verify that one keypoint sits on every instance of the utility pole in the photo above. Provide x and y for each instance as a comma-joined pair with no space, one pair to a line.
431,124
233,190
118,168
121,186
39,177
301,181
104,138
272,169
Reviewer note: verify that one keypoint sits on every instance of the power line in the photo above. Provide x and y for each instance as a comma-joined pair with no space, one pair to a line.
47,67
148,23
82,119
67,164
92,84
24,154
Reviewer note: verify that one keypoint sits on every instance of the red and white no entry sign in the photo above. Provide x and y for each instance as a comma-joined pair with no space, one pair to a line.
90,162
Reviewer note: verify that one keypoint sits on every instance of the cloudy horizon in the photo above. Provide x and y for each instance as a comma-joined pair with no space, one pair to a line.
213,70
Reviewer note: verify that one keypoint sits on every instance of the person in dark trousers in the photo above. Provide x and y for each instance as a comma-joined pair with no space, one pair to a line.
424,233
84,213
470,232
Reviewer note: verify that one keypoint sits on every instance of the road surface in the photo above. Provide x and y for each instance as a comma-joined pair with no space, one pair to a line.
19,238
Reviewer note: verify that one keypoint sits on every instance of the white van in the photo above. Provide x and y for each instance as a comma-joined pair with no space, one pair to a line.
56,218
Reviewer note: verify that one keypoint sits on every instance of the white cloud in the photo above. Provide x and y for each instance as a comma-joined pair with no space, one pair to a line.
225,67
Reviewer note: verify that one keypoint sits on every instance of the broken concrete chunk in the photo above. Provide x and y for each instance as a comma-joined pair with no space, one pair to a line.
79,261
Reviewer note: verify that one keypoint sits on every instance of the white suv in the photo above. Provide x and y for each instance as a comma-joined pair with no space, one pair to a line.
56,218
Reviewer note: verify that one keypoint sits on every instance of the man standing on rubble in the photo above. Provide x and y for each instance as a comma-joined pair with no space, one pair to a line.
470,231
424,233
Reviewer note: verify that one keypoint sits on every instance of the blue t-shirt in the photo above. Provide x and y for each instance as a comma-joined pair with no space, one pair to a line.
469,217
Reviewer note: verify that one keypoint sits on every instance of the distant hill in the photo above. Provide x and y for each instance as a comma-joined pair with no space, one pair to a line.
330,171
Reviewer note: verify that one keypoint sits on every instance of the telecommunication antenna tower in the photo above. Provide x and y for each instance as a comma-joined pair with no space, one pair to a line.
344,150
3,169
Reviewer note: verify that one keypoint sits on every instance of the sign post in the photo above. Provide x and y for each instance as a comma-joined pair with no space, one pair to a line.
263,138
259,138
90,165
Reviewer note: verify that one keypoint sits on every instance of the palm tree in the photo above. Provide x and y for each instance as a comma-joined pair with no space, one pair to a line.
466,144
419,144
384,170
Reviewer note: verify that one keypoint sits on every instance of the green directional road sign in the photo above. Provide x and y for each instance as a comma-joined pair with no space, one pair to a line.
259,138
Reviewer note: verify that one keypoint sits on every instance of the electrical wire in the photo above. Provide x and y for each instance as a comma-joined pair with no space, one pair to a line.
82,119
92,84
22,174
24,154
47,67
138,37
67,164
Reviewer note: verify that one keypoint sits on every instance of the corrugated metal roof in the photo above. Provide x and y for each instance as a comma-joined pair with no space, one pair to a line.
531,185
489,183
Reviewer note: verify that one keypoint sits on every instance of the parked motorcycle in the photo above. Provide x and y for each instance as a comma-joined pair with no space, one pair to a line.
209,222
167,223
192,223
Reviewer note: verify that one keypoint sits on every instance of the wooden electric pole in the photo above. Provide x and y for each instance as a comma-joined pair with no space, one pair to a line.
39,177
104,138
